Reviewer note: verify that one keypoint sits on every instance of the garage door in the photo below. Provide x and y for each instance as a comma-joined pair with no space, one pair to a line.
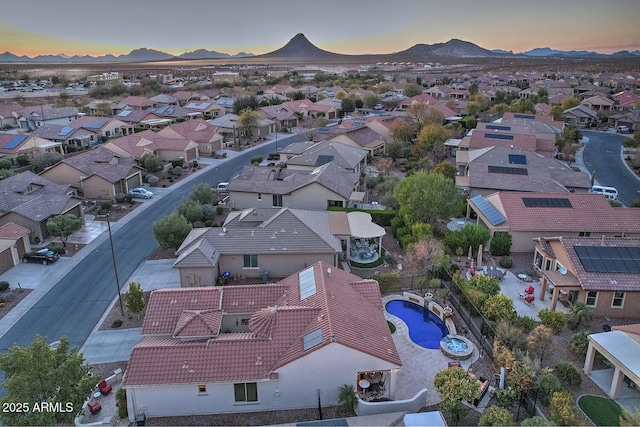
192,154
6,260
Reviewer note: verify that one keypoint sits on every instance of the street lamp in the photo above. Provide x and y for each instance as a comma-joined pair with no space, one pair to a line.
115,267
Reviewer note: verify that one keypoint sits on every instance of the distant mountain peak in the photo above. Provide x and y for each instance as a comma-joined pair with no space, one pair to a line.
299,47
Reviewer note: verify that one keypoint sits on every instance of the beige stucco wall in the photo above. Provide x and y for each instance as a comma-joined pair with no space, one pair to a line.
312,197
95,187
63,173
198,276
278,265
298,386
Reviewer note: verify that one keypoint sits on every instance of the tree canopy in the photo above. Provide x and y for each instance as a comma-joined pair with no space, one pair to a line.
170,231
64,226
42,374
425,197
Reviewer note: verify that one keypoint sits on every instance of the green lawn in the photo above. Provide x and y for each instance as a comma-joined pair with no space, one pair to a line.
602,411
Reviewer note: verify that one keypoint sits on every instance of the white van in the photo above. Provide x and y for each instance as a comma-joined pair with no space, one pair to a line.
608,192
222,186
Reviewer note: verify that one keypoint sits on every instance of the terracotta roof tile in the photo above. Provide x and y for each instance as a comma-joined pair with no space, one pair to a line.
12,231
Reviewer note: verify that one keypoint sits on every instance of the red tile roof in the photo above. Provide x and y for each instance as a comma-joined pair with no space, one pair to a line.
595,281
347,309
12,231
589,212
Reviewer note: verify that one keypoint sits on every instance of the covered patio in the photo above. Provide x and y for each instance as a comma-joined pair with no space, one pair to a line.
620,348
365,242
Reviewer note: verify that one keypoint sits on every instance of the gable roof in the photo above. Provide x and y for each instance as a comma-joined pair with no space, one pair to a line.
364,136
588,212
343,155
197,130
273,180
102,162
12,231
344,309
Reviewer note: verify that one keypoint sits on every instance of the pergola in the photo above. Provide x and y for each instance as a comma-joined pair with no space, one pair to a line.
621,350
362,227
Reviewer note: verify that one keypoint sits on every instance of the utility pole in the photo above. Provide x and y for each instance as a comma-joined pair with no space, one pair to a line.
115,267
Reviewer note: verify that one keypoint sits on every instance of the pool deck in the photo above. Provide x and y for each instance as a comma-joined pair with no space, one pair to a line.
419,365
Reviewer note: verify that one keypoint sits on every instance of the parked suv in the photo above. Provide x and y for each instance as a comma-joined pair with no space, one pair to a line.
608,192
622,129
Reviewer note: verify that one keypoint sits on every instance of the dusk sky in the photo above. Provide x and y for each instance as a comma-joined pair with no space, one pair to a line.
82,27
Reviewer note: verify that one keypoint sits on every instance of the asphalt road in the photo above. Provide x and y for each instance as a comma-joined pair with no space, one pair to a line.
73,307
602,157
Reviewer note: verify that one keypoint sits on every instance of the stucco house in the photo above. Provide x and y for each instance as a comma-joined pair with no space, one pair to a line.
14,243
327,185
283,115
147,141
104,127
603,272
363,137
271,241
29,200
97,174
199,131
527,216
347,157
35,116
487,170
13,145
253,348
580,116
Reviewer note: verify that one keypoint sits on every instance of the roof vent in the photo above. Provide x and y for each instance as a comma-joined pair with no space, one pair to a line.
329,272
333,338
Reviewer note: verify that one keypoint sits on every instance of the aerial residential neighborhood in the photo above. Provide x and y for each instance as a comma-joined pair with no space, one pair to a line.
440,235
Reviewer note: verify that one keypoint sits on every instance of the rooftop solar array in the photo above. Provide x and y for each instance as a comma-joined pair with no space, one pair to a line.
307,281
547,202
498,136
487,210
65,131
15,141
167,109
524,116
498,127
517,159
125,113
96,124
323,159
198,106
312,339
508,170
609,259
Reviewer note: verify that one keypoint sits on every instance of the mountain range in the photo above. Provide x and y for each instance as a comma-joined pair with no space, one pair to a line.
300,47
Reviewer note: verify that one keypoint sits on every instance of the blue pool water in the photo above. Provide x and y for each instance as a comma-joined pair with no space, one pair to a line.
425,328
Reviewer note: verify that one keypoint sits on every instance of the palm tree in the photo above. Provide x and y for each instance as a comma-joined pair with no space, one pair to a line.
347,398
579,315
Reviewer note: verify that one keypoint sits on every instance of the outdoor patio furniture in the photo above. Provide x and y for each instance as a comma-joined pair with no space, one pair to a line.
94,408
529,290
104,387
529,299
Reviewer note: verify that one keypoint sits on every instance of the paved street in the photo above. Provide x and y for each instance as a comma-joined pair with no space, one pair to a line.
602,156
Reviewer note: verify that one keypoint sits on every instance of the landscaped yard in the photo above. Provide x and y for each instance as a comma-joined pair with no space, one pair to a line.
602,411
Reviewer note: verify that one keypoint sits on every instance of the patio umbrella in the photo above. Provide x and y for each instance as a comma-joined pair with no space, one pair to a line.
479,263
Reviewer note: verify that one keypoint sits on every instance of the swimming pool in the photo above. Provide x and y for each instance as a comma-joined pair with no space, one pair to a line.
425,328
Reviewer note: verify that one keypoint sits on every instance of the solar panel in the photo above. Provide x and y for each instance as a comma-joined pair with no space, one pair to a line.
524,116
547,202
517,159
161,109
487,210
498,136
125,113
307,283
15,141
609,259
312,339
96,124
65,131
498,127
323,159
508,170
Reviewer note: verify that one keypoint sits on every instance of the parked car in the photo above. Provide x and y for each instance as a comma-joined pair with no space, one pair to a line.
378,107
622,129
222,187
142,193
44,256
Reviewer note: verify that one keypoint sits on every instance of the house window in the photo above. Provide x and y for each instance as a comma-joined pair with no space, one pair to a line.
618,299
277,200
538,260
559,267
259,196
246,392
250,261
547,266
107,133
592,298
202,388
337,203
584,234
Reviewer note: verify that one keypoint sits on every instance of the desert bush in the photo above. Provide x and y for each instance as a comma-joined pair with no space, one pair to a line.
116,323
526,323
388,281
500,244
256,160
153,180
555,320
219,210
177,171
208,211
567,373
579,343
5,164
106,205
128,198
496,416
4,285
506,262
177,163
563,411
120,197
547,384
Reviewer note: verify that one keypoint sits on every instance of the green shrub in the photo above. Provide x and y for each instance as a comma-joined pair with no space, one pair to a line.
128,198
554,320
500,244
388,282
5,164
4,285
219,210
208,211
256,160
120,197
177,171
208,223
177,162
547,384
579,343
568,374
106,205
116,323
496,416
153,180
526,323
506,262
121,397
194,164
